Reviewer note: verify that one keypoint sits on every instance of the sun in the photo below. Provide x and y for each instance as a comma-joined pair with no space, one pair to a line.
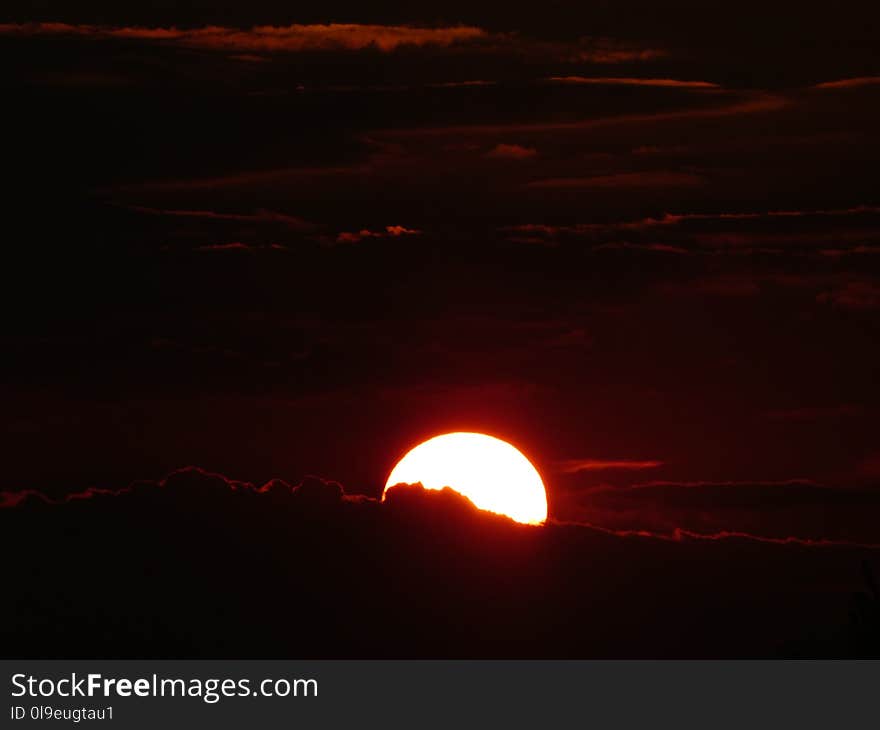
491,473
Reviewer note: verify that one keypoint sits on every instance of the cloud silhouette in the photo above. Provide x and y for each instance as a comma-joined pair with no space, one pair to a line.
199,565
791,510
259,216
394,231
629,81
511,152
239,246
850,83
853,295
266,38
657,179
573,466
256,43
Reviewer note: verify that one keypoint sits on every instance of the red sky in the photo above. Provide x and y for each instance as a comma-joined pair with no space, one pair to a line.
635,240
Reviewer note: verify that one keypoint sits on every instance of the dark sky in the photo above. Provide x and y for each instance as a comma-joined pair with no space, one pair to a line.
640,240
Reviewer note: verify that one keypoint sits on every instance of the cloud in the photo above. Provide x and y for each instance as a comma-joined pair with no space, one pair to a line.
849,83
755,103
575,466
709,484
629,81
856,210
853,295
389,232
268,38
685,220
659,179
252,44
610,51
657,247
852,251
259,216
249,58
204,565
239,246
317,493
678,535
15,498
799,510
185,482
511,152
870,466
676,219
666,509
461,84
724,285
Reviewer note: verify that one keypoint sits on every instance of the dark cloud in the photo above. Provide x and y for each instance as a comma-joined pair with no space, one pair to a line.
390,231
824,233
267,38
682,220
684,271
798,510
239,246
258,43
851,251
624,81
655,247
677,38
464,84
573,466
758,103
658,179
511,152
259,216
849,83
853,295
198,565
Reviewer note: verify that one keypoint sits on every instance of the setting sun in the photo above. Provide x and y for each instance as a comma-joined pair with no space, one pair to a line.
490,472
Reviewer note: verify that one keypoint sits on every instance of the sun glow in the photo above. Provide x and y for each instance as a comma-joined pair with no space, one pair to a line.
490,472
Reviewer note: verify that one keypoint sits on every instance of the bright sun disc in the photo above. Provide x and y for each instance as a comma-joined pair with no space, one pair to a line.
490,472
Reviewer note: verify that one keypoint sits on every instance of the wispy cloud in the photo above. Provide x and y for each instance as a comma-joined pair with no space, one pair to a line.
461,84
267,38
610,51
511,152
852,251
656,247
630,81
239,246
680,534
799,511
258,216
574,466
658,179
850,83
853,295
388,232
754,104
248,44
731,484
677,219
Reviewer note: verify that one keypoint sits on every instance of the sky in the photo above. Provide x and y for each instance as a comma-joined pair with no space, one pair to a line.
640,241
